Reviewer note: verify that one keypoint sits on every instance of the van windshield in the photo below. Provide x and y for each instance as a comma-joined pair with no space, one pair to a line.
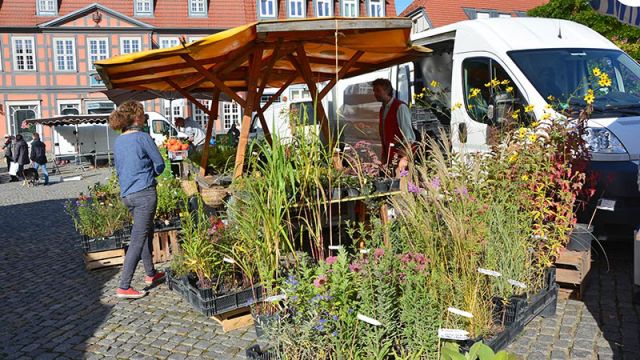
565,76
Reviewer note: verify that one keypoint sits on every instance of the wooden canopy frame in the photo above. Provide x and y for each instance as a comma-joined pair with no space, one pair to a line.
273,54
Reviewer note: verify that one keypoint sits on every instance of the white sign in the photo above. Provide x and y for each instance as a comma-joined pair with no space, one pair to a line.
453,334
606,204
517,283
460,312
368,320
489,272
229,260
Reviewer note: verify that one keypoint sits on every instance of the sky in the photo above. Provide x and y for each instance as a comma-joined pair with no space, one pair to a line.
401,5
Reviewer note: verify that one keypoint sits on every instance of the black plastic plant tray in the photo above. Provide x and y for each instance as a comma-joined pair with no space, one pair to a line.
174,224
256,353
116,241
205,302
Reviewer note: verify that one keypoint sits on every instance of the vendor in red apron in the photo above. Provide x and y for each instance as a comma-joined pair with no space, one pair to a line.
396,132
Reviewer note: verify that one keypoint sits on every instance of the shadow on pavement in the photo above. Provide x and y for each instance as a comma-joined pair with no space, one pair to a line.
608,299
50,304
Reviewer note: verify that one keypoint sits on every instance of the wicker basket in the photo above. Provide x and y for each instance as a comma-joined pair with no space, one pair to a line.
189,187
214,196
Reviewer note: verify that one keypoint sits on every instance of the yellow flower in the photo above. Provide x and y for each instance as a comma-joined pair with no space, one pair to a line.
414,96
551,98
524,178
504,82
434,83
513,157
535,124
528,108
474,92
470,106
589,98
456,106
596,71
533,138
487,84
515,114
522,132
546,116
605,81
548,106
510,89
420,95
495,82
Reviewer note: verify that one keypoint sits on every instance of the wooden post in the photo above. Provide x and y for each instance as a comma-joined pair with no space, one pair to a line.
252,82
213,116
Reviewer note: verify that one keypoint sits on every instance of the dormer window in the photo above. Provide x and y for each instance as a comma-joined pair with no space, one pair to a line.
267,9
143,7
324,8
47,7
197,7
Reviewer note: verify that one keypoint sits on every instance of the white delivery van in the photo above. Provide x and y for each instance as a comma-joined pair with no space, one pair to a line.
541,58
160,128
279,116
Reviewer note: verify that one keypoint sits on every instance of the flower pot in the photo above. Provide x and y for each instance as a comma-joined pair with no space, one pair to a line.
336,194
352,192
394,184
580,238
380,186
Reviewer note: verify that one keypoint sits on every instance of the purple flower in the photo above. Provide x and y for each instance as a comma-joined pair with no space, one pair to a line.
291,280
294,298
406,258
413,188
319,327
322,321
462,191
331,260
335,333
435,183
350,311
320,281
335,317
404,173
355,267
378,253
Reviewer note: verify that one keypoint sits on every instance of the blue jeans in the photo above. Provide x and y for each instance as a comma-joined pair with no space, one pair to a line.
142,205
45,173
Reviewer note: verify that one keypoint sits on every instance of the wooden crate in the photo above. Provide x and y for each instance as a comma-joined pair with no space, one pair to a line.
165,244
572,272
102,259
235,319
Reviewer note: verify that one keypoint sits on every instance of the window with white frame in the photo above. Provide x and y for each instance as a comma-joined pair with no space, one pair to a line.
376,8
130,45
296,8
69,107
19,112
64,51
483,15
168,41
504,15
24,55
177,106
265,99
324,8
47,7
267,8
200,116
230,114
197,7
99,107
350,8
143,7
97,49
297,94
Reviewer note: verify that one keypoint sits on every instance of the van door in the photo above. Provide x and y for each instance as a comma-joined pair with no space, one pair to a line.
488,100
160,130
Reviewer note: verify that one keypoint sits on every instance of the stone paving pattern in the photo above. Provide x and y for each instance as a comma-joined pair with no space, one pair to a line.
51,307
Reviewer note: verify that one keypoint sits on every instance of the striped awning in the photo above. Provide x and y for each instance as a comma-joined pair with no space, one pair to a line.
627,11
71,120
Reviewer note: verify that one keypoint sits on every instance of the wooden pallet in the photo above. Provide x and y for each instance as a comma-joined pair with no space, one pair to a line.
572,273
235,319
102,259
165,244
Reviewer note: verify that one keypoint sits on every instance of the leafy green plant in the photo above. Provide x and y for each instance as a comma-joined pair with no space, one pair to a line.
221,158
171,198
478,351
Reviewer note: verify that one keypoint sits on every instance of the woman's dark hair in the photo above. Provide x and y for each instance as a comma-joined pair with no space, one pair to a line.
125,115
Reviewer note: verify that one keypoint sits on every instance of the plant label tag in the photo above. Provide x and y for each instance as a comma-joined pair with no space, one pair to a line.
517,283
335,247
365,251
368,320
606,204
489,272
453,334
460,312
275,298
391,213
229,260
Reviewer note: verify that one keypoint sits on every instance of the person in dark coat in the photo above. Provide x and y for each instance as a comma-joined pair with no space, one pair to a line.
20,154
39,156
7,150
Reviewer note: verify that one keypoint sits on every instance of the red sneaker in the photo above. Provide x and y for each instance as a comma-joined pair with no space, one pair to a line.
150,280
130,293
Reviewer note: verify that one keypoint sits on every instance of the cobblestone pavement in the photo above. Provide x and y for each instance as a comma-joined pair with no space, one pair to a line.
52,308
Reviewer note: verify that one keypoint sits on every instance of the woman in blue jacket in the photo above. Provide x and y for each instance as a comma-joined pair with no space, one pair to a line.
138,162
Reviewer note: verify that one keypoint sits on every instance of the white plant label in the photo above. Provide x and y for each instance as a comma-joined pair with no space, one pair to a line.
453,334
365,251
489,272
275,298
335,247
460,312
606,204
229,260
517,283
368,320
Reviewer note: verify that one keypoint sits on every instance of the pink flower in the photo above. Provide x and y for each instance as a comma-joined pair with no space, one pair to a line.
378,253
406,258
413,188
355,267
331,260
320,281
404,173
462,191
435,183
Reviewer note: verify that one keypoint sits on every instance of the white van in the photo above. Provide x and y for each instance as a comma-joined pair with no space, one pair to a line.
541,58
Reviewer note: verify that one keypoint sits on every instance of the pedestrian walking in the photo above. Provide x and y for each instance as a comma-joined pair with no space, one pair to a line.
7,151
20,151
39,157
138,162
